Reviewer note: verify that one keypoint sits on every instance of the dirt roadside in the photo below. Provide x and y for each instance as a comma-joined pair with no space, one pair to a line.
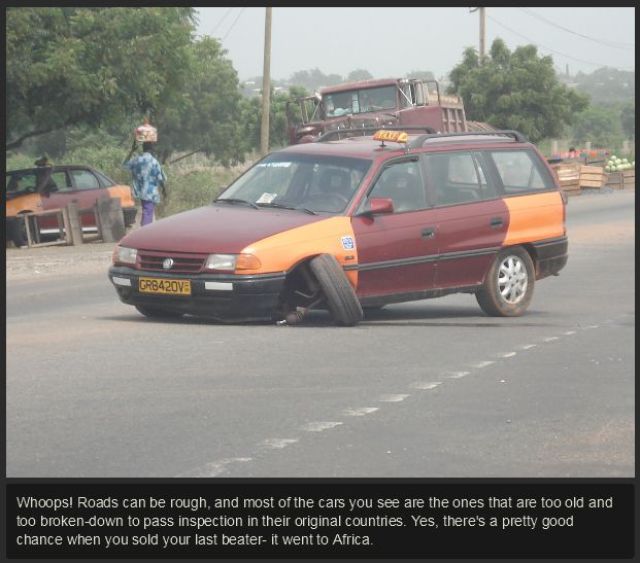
34,263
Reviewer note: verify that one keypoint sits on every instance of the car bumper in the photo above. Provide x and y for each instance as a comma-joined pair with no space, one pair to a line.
552,256
222,297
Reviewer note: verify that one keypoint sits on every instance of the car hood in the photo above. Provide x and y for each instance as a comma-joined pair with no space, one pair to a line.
222,228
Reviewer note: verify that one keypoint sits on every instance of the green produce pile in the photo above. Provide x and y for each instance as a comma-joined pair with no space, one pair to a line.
615,164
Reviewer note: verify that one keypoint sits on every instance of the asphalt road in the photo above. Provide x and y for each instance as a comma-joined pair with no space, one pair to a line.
424,389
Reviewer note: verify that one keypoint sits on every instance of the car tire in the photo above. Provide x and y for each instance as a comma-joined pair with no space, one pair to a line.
508,287
342,301
158,312
19,231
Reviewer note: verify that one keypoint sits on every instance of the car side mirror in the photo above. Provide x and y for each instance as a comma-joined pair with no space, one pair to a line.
380,205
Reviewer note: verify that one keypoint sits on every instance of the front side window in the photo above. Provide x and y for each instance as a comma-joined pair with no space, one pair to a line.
520,172
403,184
455,177
322,184
43,179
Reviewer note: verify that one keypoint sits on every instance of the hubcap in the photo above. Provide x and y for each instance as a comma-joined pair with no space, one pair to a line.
512,279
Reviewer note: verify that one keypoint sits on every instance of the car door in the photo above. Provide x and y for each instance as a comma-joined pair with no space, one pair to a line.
84,191
471,218
52,198
396,250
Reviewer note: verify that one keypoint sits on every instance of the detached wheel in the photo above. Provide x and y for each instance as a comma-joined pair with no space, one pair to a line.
342,301
508,287
158,312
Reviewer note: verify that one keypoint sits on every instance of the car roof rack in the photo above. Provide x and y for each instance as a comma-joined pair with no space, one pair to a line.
516,135
363,131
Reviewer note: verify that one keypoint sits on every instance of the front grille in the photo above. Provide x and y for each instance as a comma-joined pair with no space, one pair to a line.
183,262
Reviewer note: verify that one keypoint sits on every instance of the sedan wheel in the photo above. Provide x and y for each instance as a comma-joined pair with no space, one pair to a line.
508,287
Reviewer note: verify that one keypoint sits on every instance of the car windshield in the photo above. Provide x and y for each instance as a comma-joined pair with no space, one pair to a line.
359,101
316,183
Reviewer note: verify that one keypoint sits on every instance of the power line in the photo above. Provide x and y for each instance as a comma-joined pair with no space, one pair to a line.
233,24
605,42
221,20
598,65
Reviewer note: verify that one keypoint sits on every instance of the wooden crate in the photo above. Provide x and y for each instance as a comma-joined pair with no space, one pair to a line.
569,176
615,180
592,177
629,178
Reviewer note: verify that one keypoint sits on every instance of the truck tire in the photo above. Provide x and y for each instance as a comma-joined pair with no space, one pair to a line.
342,301
508,287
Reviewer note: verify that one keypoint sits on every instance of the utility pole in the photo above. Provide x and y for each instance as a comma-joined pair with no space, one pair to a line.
266,85
482,34
481,13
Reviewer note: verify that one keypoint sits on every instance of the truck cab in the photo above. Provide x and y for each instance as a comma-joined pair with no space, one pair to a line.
390,102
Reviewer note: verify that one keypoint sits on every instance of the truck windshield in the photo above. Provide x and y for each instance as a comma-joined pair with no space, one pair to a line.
365,100
322,184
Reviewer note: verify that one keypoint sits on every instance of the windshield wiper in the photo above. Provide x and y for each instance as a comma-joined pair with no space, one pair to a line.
282,206
236,200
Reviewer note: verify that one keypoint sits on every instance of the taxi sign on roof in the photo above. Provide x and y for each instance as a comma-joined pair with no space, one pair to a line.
387,135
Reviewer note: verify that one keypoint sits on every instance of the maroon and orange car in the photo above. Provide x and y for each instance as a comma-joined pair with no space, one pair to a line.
354,223
54,187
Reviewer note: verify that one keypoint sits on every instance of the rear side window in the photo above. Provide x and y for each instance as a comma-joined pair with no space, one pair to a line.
84,180
61,181
521,172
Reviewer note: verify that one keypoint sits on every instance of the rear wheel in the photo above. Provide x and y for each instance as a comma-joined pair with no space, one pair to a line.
508,287
158,312
341,300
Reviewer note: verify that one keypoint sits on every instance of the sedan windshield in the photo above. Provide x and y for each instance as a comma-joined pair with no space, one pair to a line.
310,183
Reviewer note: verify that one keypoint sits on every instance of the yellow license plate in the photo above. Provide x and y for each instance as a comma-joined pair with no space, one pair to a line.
170,287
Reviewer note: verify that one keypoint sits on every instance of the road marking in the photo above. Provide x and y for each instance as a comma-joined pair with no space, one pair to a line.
590,326
457,374
551,338
426,385
279,443
508,355
570,332
320,426
393,398
480,365
214,468
527,346
361,411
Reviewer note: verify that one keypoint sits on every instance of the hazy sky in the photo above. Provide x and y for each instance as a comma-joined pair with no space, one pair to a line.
396,41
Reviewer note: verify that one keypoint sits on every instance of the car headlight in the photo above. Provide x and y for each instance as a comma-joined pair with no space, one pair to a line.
231,262
125,255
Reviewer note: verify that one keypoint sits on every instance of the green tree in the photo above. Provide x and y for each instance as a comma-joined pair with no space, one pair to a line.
628,119
69,66
204,115
598,124
516,90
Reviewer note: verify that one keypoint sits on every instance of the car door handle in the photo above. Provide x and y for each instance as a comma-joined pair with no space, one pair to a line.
428,232
496,222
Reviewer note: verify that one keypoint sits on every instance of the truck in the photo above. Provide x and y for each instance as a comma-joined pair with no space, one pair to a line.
379,103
